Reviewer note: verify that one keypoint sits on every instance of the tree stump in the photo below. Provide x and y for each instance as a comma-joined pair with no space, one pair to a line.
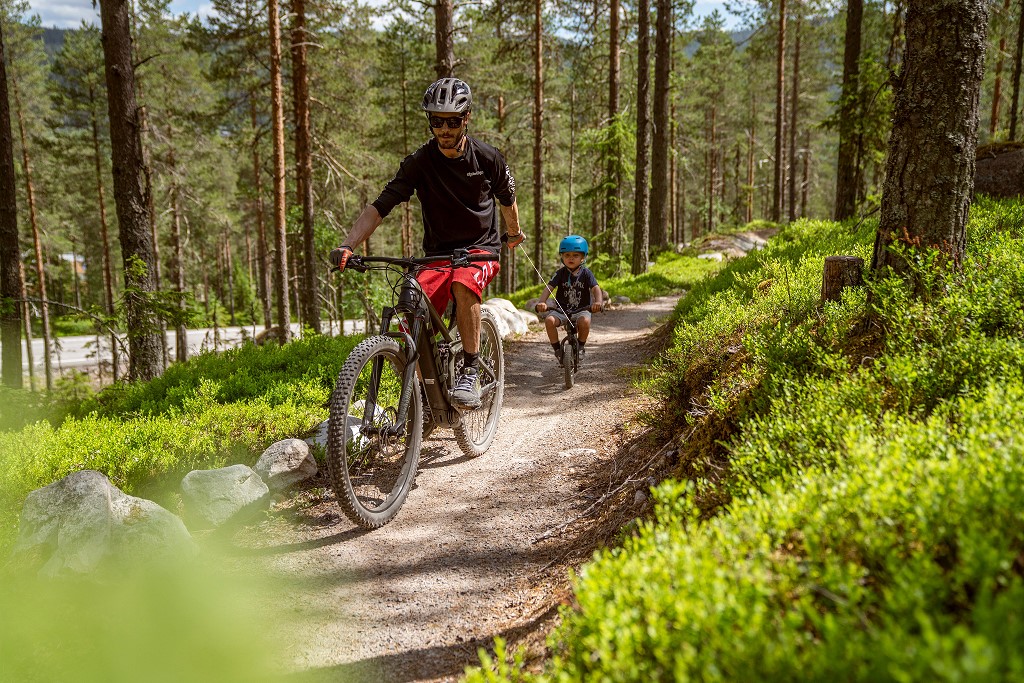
840,272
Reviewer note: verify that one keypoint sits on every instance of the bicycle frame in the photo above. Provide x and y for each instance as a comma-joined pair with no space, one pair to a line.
423,323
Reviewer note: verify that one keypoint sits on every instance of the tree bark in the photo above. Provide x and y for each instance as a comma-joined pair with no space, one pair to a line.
30,196
26,323
280,225
304,167
538,132
10,252
780,105
849,115
177,244
661,188
262,249
931,163
839,273
641,202
108,257
997,87
794,112
613,194
1018,55
144,351
444,38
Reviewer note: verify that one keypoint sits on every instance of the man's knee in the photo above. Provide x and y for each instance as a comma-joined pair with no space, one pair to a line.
463,293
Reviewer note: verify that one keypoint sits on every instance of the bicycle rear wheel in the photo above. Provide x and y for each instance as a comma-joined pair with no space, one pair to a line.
372,467
477,428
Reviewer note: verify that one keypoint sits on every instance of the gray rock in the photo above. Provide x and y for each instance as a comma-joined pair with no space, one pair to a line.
229,494
619,300
83,522
319,435
528,317
639,498
578,453
286,463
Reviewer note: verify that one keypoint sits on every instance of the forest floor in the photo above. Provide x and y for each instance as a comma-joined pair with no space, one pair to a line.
482,547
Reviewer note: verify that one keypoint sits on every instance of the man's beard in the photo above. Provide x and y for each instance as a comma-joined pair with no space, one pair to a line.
451,143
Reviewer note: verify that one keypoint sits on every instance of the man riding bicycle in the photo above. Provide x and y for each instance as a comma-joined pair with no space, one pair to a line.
457,179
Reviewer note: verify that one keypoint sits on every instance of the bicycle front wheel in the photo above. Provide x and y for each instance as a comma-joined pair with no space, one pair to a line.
477,428
371,459
568,362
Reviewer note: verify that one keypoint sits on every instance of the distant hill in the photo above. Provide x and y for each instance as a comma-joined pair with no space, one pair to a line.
53,39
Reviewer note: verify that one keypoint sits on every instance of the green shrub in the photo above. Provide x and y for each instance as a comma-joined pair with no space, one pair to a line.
273,373
899,563
865,523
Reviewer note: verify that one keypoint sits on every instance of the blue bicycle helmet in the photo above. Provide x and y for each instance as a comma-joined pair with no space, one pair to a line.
573,243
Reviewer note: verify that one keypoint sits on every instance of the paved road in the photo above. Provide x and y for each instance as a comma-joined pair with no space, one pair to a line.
80,352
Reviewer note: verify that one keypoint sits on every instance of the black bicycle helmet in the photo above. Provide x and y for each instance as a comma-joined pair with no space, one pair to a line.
447,96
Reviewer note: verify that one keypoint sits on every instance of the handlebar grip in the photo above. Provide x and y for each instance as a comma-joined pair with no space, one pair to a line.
484,257
355,262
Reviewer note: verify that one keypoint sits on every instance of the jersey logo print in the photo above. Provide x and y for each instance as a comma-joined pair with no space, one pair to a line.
473,173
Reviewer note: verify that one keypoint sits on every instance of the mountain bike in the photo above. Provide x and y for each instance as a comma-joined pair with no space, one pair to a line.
394,389
570,346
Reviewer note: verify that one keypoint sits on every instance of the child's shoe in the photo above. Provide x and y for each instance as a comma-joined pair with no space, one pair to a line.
558,355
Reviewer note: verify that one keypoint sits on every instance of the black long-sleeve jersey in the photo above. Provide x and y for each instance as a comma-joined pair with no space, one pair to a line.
456,195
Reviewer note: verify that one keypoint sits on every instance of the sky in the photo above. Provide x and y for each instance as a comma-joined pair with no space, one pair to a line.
69,13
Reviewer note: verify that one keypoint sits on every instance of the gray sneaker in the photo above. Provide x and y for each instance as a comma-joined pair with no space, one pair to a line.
558,355
466,393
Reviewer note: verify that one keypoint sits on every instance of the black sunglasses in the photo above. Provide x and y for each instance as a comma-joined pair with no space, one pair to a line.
451,122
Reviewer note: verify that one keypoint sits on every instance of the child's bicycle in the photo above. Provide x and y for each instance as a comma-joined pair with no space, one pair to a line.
394,389
570,347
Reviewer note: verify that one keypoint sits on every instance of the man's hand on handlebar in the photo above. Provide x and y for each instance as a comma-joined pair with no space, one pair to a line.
513,241
340,256
540,307
597,307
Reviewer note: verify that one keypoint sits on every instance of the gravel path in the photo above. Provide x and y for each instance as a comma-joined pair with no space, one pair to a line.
459,565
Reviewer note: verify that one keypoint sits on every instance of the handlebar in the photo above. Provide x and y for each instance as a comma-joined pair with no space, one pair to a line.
458,258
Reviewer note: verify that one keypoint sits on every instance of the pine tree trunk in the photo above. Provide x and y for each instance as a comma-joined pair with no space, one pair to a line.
805,184
26,322
444,41
930,168
44,305
641,202
613,193
108,258
997,87
849,114
262,248
178,263
794,112
572,155
538,132
10,252
780,105
1018,55
304,168
281,284
129,192
147,171
661,188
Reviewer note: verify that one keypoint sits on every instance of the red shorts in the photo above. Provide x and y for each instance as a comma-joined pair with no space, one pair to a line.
437,284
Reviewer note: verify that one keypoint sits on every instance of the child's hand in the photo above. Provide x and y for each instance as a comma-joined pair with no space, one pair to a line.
596,307
541,307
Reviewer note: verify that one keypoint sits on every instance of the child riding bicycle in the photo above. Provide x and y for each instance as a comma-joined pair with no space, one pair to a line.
577,294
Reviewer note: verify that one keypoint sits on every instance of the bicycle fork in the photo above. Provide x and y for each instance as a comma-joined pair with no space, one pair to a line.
408,377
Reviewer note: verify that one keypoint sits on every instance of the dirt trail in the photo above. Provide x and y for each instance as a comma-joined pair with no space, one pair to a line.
413,601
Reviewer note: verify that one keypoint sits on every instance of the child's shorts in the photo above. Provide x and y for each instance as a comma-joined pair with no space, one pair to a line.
561,319
437,284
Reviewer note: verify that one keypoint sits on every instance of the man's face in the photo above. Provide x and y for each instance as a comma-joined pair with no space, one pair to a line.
573,259
447,136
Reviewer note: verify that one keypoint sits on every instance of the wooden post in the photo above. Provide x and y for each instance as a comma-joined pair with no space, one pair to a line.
840,272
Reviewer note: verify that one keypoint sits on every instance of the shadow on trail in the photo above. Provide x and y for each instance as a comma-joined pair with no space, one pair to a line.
413,665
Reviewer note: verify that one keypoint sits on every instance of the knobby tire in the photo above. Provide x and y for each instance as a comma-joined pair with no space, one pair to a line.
372,473
477,428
